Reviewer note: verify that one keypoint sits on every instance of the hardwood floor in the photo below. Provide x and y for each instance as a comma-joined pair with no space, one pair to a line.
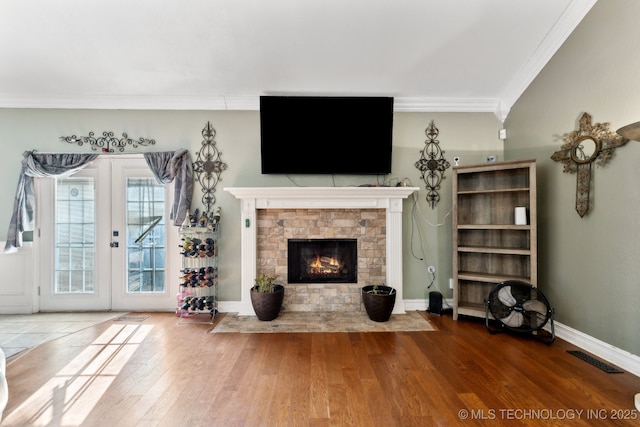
161,373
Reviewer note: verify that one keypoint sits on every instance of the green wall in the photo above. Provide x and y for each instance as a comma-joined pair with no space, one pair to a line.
588,267
472,136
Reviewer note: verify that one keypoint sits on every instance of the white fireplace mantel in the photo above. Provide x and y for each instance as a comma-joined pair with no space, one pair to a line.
254,198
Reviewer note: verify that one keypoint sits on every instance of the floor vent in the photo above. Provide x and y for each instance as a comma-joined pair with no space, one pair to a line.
595,362
130,319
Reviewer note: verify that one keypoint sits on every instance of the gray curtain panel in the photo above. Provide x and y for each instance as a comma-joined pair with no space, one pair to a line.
35,165
168,166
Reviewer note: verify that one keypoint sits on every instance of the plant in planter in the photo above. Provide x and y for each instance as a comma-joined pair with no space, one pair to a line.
378,301
267,297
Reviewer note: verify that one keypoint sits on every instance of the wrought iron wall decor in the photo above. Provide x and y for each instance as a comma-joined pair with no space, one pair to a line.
108,142
208,167
432,164
583,147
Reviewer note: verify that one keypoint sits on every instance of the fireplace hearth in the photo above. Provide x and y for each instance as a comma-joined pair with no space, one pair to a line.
322,261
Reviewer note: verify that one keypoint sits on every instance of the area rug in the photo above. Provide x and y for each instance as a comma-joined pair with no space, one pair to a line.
323,322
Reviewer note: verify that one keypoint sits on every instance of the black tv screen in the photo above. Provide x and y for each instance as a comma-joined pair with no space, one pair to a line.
326,135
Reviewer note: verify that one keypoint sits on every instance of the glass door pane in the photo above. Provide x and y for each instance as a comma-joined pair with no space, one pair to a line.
141,272
75,242
146,239
74,257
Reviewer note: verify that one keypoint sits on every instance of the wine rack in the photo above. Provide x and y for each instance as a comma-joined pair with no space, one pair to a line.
197,299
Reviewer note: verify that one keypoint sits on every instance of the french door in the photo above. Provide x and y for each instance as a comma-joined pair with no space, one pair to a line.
103,239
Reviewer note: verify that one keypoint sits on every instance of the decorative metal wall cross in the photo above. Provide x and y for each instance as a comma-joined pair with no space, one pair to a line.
432,164
208,167
589,144
108,142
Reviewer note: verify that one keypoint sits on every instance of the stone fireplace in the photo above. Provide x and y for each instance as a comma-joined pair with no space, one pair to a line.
272,216
278,228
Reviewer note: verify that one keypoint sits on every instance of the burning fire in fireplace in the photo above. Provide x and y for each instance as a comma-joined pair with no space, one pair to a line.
324,265
322,261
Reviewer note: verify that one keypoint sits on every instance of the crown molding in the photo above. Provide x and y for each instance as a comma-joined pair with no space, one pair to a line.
215,103
116,102
572,16
446,105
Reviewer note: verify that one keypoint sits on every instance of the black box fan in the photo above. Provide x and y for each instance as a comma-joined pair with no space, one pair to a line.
520,307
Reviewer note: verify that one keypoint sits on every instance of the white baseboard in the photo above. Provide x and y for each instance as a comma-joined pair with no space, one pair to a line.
616,356
621,358
422,304
231,307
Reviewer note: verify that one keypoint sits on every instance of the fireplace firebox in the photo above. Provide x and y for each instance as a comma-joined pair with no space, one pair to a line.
322,261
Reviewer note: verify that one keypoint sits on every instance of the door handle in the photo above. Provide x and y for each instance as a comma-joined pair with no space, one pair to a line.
114,233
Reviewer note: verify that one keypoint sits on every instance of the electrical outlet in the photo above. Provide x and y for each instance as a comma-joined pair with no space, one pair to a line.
450,283
431,269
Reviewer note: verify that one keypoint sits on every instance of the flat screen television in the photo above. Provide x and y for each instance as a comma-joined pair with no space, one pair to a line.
326,135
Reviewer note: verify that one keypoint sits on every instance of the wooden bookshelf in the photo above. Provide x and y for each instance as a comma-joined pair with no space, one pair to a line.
488,247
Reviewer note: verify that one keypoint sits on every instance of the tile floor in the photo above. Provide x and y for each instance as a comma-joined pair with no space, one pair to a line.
20,332
338,321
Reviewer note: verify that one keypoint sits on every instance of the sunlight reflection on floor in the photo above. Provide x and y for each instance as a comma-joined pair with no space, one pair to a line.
69,397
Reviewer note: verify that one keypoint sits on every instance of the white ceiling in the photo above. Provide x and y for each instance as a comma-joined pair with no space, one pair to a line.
431,55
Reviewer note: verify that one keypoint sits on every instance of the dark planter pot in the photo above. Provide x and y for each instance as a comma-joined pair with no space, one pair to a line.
379,305
267,305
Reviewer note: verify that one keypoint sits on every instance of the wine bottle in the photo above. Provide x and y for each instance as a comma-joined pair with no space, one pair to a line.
210,223
202,221
194,218
187,220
